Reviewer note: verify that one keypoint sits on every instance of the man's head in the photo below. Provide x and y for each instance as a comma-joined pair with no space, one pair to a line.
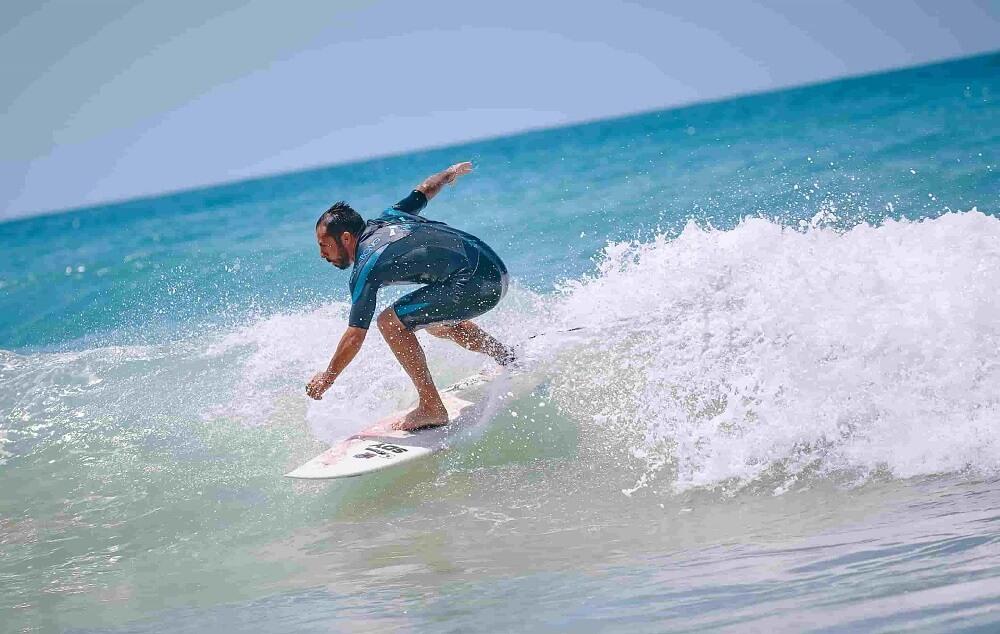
337,232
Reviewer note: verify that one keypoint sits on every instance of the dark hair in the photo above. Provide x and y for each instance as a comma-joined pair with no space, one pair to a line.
340,218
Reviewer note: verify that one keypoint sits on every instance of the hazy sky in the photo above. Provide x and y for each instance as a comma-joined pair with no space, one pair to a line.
107,100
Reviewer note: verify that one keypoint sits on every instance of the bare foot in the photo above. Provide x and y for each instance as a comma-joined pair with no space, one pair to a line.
423,417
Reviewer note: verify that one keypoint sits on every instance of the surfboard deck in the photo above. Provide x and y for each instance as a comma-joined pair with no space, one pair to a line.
379,446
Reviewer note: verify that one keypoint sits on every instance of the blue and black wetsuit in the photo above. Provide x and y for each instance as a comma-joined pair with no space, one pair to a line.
464,277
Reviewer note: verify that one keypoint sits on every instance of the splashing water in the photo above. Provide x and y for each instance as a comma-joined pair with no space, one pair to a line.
769,351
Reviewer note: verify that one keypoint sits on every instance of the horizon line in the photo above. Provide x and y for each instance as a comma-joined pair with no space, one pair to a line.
361,160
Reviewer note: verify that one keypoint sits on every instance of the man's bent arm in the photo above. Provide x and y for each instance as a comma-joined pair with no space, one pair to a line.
433,184
349,345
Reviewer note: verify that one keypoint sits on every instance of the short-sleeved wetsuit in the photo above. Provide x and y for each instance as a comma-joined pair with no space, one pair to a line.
464,277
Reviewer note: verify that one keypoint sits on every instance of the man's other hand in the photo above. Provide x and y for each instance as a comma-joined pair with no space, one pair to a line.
319,384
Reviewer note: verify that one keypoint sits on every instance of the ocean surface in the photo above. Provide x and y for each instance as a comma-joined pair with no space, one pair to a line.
782,413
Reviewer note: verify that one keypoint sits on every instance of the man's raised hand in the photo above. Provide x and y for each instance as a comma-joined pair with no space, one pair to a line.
458,169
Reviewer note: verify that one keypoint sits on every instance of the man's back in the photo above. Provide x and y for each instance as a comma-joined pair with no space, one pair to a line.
401,247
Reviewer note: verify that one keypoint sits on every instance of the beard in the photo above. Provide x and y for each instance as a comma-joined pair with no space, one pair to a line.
340,263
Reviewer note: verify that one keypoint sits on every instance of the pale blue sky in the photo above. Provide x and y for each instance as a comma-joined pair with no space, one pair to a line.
108,100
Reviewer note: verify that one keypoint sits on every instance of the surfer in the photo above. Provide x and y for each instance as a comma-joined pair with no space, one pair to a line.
464,278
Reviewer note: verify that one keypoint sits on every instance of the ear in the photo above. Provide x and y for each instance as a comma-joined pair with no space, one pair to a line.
344,236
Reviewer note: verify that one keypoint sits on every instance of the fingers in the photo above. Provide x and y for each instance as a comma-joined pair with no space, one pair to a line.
315,391
456,170
462,168
319,384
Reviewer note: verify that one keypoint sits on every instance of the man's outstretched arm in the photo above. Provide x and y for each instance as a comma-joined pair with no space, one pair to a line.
433,184
348,348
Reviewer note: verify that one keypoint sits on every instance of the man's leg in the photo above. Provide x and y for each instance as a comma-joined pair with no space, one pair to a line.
404,344
472,337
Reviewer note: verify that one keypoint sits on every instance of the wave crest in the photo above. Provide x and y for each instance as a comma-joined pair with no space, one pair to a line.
765,350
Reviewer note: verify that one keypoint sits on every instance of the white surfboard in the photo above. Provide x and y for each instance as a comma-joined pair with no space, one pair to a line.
379,446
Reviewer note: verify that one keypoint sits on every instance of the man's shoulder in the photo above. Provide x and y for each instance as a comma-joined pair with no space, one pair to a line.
378,234
395,216
372,228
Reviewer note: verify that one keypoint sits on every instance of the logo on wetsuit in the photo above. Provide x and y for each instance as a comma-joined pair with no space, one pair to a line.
373,245
368,250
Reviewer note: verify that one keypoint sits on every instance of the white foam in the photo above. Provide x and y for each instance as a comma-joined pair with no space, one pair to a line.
765,349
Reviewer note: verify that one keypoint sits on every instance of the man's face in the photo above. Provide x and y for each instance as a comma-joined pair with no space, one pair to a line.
333,248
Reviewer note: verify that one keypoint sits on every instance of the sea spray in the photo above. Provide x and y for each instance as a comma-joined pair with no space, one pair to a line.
765,349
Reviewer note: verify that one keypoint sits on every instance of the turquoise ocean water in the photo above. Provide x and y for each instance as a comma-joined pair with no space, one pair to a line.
783,413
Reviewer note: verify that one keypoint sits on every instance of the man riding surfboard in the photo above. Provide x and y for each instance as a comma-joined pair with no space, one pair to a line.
463,279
